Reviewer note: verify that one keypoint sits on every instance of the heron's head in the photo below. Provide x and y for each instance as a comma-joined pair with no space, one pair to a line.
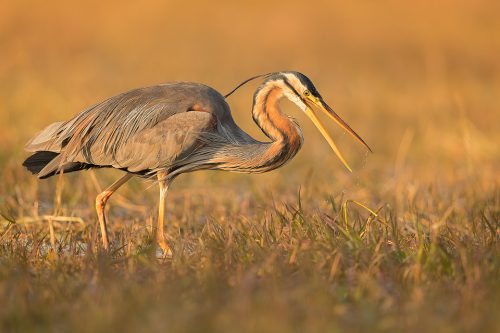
299,89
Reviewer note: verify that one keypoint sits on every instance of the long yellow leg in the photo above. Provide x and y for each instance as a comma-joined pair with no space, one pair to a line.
100,204
160,235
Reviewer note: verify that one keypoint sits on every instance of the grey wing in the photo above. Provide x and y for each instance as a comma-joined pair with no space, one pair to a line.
109,122
170,143
105,134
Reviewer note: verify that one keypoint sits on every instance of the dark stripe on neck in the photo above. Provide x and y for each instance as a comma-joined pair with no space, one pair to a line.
284,136
289,85
285,140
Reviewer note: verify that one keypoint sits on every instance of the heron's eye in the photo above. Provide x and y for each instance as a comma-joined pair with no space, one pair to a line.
307,93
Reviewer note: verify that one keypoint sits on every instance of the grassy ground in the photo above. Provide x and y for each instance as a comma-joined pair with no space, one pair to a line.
286,251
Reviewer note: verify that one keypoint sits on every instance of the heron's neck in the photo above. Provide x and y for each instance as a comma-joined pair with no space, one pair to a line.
284,132
257,157
267,115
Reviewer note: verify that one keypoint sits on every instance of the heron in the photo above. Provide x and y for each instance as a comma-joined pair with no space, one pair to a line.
160,132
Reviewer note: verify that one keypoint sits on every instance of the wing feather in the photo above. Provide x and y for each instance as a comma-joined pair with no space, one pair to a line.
161,146
142,129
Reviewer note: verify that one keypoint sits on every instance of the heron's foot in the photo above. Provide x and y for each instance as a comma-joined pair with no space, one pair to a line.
165,251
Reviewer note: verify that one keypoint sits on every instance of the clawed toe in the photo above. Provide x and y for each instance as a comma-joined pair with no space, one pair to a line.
165,251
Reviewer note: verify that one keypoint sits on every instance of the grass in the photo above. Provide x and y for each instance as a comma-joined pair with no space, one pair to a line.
300,265
408,242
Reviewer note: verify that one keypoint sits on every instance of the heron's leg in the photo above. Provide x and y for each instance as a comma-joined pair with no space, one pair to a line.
164,182
100,204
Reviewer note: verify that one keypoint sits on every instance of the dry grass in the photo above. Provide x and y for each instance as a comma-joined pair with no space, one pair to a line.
284,251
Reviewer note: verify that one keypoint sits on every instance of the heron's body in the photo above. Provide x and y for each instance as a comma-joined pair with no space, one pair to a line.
170,129
167,127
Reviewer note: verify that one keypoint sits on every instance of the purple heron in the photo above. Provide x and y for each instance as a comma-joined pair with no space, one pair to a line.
169,129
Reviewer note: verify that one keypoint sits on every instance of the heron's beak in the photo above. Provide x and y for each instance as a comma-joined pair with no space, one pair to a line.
320,104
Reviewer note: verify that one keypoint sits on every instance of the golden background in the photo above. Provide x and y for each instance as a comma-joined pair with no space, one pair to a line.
418,80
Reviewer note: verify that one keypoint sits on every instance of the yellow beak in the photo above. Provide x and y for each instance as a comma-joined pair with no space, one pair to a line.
330,113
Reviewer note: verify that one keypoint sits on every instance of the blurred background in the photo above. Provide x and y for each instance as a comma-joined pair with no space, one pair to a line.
420,82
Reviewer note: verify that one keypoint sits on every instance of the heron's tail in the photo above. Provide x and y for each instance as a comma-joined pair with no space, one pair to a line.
47,147
47,163
38,161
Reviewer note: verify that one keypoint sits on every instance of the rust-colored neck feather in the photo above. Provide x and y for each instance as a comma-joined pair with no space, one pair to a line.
284,132
277,126
260,157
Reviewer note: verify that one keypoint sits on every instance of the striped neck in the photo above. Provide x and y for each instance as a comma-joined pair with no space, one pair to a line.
284,132
258,157
268,116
